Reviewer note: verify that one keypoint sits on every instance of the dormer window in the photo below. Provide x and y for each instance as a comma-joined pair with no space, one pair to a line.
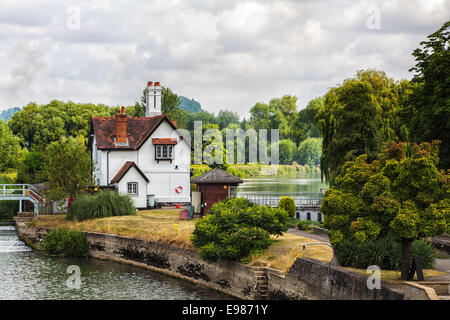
164,148
164,152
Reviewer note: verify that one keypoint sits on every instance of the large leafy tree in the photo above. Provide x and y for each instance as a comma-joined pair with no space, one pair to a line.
305,118
10,150
358,117
31,168
404,196
280,113
67,168
226,117
287,151
309,152
39,125
428,114
170,106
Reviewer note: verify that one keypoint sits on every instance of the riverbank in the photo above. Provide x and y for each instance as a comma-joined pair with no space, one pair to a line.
306,278
245,171
164,226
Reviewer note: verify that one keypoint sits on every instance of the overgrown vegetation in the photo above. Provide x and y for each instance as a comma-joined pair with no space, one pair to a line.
236,228
385,253
65,242
103,204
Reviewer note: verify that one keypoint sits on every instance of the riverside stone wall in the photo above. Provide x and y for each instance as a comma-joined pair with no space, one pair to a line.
307,279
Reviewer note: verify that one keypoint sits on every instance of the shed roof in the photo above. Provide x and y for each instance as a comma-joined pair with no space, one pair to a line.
216,175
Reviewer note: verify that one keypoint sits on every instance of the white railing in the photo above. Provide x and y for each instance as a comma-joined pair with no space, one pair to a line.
301,199
15,191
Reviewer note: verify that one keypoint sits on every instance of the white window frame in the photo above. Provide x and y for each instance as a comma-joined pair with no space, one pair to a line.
133,187
164,152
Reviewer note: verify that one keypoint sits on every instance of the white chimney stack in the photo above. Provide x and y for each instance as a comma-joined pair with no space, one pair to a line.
153,99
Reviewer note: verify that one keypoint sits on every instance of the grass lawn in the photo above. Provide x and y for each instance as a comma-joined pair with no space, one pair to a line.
394,277
155,225
165,226
282,254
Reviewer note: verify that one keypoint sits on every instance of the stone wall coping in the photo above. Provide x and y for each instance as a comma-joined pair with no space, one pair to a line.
429,292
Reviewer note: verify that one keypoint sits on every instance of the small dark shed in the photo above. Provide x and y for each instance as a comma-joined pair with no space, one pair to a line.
215,185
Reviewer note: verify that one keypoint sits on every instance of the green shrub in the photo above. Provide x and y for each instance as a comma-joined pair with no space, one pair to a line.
236,228
66,243
384,252
306,225
425,251
303,225
103,204
287,204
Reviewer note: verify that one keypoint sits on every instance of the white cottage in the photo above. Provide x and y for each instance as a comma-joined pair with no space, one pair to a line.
143,157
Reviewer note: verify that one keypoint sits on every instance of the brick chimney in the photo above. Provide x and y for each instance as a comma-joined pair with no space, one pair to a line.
121,127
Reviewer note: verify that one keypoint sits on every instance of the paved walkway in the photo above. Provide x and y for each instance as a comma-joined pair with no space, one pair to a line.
315,236
442,265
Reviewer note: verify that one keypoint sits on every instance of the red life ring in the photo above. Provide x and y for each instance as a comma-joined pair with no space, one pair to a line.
179,189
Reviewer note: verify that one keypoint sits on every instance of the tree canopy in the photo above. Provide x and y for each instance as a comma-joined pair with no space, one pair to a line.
10,151
67,168
404,196
360,116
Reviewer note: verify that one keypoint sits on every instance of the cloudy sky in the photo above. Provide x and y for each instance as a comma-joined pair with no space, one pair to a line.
225,54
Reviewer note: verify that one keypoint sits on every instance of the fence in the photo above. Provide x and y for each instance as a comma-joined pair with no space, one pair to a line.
301,199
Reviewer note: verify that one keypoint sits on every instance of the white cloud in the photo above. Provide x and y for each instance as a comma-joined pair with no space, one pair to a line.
225,54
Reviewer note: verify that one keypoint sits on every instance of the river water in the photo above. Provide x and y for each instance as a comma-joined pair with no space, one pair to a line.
27,274
306,183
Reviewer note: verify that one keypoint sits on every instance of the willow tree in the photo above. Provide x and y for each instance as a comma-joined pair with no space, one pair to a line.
406,197
358,117
428,113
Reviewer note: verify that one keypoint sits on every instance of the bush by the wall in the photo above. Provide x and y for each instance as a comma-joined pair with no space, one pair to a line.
236,228
287,204
65,242
103,204
384,252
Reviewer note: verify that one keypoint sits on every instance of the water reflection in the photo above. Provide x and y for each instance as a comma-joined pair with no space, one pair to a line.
26,274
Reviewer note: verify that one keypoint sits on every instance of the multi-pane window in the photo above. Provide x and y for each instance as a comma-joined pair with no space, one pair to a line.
164,152
132,188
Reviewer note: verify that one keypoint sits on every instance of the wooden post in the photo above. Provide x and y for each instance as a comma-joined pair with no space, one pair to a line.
20,205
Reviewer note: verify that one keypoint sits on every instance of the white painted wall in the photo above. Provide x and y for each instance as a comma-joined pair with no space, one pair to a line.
164,176
139,200
303,214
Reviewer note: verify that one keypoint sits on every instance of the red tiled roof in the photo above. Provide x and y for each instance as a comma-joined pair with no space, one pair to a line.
121,173
171,141
138,131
